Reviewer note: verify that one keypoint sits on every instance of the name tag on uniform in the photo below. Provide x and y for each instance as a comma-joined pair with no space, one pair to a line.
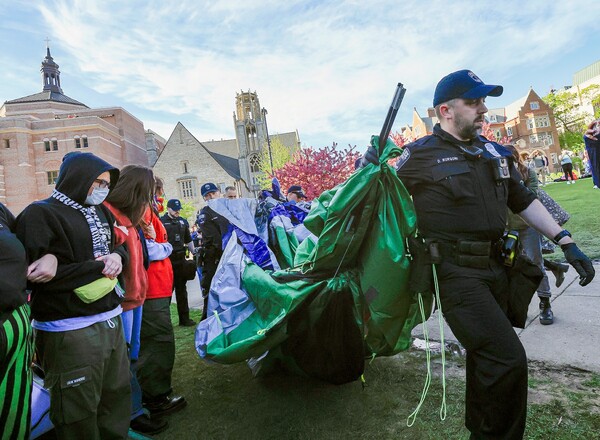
447,159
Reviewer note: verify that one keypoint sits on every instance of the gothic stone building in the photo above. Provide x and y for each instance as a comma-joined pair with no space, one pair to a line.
36,131
186,163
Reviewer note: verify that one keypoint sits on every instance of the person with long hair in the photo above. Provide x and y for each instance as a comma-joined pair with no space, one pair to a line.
128,202
157,350
531,240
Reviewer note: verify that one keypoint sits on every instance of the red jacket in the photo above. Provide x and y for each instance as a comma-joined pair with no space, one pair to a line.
160,273
134,274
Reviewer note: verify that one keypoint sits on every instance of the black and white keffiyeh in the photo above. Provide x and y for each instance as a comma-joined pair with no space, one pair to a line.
100,239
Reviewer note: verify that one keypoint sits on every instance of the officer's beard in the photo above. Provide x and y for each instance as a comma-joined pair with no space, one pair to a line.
467,129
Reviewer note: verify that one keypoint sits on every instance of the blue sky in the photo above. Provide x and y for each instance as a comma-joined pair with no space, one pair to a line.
325,68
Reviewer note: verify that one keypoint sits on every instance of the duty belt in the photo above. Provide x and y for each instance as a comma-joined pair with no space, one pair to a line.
467,253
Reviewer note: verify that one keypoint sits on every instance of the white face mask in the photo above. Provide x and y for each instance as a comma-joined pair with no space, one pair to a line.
97,196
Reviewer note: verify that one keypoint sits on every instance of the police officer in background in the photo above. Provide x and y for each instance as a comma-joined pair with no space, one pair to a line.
461,184
178,234
212,227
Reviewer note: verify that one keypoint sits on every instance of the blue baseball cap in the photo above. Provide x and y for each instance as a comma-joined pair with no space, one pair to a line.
208,188
463,84
297,189
174,204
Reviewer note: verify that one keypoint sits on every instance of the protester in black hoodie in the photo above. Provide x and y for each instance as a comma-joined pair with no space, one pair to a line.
77,314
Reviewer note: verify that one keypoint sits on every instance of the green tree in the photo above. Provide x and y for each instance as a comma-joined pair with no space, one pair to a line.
280,154
570,116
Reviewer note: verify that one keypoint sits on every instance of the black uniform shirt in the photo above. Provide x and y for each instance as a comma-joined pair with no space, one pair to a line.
457,196
178,233
212,226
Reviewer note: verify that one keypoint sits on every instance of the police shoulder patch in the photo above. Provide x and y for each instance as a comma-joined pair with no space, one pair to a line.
492,149
403,158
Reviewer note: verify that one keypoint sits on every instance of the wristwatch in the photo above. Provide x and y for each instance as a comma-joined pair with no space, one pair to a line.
562,234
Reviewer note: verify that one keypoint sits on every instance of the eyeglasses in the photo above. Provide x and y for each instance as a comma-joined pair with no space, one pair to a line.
102,183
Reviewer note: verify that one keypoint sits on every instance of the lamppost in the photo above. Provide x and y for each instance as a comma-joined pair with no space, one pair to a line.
264,115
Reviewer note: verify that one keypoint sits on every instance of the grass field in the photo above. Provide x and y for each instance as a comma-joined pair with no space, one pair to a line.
226,402
583,203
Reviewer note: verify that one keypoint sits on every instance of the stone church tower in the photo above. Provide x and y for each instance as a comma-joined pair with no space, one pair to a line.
251,135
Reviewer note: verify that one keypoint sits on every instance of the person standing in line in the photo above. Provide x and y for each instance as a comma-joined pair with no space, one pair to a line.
212,227
461,185
178,232
567,165
16,348
77,314
128,201
531,240
592,146
157,348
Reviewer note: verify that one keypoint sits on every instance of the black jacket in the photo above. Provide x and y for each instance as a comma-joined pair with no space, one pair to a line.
51,227
457,196
13,266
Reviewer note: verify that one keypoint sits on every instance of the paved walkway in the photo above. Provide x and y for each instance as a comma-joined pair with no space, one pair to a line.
573,339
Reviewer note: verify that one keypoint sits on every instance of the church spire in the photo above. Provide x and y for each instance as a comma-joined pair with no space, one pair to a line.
50,73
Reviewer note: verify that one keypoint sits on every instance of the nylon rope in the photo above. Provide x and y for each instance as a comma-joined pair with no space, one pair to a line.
442,343
410,421
443,407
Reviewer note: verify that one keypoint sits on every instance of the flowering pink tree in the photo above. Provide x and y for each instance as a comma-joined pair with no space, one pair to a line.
488,133
318,170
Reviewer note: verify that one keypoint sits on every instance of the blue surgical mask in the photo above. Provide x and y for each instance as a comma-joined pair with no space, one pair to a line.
97,196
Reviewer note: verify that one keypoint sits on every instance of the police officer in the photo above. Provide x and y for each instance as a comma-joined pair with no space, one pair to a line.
461,185
212,227
178,234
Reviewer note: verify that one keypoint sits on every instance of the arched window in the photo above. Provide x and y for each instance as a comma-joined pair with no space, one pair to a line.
254,163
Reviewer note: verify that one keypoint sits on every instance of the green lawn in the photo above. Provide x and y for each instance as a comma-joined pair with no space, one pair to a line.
226,402
583,203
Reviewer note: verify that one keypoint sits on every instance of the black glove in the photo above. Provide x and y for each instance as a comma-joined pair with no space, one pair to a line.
580,262
370,156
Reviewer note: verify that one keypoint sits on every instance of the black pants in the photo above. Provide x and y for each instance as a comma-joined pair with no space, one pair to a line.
208,272
568,170
87,373
473,304
180,286
157,350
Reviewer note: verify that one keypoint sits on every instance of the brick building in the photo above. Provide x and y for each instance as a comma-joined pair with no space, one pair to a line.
529,121
186,163
36,131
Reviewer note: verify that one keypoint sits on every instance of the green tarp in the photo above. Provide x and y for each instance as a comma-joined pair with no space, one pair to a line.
357,268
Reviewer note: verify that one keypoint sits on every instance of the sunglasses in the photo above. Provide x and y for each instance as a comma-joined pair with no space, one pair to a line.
102,183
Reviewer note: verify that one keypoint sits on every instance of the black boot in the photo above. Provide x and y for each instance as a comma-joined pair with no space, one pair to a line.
558,270
546,315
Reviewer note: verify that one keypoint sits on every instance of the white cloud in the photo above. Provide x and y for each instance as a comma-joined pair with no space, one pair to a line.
328,69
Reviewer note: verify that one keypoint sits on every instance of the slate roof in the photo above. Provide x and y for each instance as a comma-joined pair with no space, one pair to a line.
229,164
46,96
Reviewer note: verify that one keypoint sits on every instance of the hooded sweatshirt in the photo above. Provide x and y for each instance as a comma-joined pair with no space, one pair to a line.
50,226
136,278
